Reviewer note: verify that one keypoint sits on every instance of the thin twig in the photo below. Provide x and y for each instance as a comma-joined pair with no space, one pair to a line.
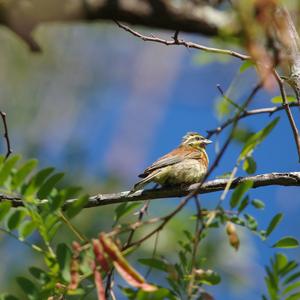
141,213
6,136
108,284
31,246
76,232
228,99
199,227
176,41
175,37
153,254
166,219
265,110
286,106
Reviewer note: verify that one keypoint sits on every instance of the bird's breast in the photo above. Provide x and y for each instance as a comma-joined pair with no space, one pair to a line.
186,172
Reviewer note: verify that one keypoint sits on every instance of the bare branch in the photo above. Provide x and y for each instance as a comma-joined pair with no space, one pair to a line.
269,179
285,179
286,106
247,113
176,41
6,136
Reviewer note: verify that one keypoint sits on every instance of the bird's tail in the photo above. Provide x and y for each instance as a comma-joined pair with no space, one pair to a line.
140,184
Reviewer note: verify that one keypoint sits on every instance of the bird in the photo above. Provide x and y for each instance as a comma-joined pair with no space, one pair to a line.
185,165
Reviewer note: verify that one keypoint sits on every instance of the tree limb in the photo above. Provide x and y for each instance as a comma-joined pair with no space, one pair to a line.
247,113
6,136
286,106
180,42
268,179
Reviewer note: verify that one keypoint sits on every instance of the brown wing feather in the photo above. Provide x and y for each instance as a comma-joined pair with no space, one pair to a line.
173,157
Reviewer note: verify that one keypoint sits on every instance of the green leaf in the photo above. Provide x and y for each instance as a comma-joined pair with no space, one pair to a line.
239,192
154,263
273,281
243,204
124,209
237,220
291,287
40,275
77,206
242,134
249,165
160,294
15,219
251,222
48,185
295,296
246,65
281,262
77,292
224,175
291,278
286,242
256,139
23,172
7,168
274,223
28,287
278,99
262,234
70,192
64,256
26,228
208,277
8,297
182,257
258,204
57,200
291,265
222,108
204,58
4,209
37,181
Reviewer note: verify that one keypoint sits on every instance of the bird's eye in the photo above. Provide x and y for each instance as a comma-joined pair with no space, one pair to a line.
197,138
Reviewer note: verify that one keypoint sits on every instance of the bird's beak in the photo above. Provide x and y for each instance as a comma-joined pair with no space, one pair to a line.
207,141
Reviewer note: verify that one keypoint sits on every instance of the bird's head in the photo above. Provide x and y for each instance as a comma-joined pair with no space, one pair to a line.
195,140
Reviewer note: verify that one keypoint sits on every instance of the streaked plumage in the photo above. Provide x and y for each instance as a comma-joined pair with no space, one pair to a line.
186,164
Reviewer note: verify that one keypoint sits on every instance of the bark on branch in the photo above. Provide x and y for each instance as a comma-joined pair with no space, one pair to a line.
23,16
269,179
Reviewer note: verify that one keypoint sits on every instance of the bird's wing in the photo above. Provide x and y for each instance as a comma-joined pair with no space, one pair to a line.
173,157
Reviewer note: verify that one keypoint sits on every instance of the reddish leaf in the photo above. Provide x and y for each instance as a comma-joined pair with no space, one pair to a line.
127,272
98,283
74,274
99,254
76,248
131,279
